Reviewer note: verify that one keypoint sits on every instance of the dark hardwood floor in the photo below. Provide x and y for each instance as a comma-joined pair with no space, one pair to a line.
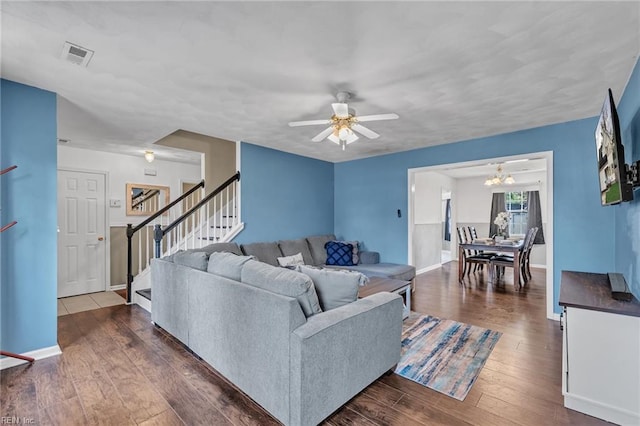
118,369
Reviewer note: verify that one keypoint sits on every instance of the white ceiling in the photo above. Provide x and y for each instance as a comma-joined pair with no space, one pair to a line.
243,70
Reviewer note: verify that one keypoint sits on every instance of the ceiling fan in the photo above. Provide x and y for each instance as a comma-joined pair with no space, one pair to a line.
344,123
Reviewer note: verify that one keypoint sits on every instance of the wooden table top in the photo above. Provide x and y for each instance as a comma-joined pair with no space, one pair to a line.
380,284
480,245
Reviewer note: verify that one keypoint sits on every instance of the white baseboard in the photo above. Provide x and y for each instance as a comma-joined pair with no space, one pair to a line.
538,266
117,287
601,410
428,268
556,317
8,362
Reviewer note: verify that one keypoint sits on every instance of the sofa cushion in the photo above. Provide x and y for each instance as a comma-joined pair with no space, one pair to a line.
316,247
169,258
334,287
291,247
193,259
389,270
339,253
288,261
264,252
222,247
283,281
227,265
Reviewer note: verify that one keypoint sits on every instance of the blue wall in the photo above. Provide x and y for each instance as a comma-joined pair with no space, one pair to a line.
628,214
284,196
29,249
368,193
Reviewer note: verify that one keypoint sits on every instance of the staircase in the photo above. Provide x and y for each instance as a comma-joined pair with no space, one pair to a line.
191,221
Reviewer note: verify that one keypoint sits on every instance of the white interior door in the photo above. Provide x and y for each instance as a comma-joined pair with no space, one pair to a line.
81,237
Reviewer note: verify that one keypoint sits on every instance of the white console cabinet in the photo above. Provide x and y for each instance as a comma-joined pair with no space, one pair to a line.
601,350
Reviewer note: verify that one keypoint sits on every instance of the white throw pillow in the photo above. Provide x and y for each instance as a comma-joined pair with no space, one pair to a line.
293,260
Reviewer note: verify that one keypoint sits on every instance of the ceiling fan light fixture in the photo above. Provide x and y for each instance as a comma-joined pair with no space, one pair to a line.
344,133
334,138
509,180
488,182
344,123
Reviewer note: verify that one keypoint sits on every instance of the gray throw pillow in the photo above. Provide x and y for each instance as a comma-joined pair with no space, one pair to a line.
193,259
283,281
227,265
335,288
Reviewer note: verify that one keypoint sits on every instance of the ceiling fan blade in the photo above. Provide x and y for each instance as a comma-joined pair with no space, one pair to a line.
376,117
364,131
323,134
352,138
340,110
308,123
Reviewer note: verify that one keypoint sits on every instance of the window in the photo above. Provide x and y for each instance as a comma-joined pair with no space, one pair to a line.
518,206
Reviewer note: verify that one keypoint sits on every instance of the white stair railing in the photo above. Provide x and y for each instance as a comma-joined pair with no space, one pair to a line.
192,221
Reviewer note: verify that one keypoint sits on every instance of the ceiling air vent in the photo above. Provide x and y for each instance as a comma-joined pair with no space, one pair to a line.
76,54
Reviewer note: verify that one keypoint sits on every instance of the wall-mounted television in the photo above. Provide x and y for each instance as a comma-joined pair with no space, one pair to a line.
615,185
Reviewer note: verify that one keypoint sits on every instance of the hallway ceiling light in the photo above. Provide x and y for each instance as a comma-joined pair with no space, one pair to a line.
149,156
499,178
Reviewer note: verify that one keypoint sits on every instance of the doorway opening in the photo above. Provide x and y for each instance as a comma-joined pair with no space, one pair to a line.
470,206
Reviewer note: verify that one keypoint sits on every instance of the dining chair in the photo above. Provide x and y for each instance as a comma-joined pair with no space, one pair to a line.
470,258
474,236
500,262
528,247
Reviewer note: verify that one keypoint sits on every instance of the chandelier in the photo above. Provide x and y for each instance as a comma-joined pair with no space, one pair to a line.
499,178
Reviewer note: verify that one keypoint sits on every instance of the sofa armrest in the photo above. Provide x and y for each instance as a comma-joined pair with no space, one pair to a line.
170,298
337,353
369,257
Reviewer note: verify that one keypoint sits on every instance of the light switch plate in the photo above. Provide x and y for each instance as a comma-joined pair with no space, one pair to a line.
150,172
115,203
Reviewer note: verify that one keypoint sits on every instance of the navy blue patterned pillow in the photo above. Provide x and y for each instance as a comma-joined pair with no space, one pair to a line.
338,253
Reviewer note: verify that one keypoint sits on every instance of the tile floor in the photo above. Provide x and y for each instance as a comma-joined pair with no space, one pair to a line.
87,302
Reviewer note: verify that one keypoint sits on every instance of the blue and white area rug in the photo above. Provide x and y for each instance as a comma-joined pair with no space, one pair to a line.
445,355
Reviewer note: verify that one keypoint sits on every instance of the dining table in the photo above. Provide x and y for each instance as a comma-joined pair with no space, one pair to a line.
491,246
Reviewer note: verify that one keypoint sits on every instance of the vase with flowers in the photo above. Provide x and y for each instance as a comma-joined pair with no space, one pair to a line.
502,222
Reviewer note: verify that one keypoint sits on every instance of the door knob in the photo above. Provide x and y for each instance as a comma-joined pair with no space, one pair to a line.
100,238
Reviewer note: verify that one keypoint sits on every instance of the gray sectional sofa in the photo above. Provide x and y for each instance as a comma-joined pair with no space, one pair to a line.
313,253
259,326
